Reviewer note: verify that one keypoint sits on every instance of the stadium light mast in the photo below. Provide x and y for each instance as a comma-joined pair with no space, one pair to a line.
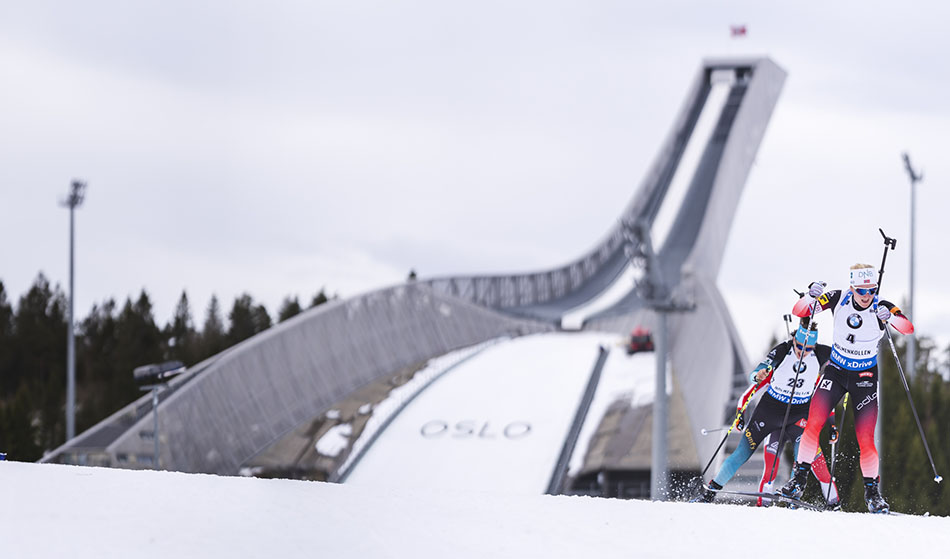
77,192
911,339
659,297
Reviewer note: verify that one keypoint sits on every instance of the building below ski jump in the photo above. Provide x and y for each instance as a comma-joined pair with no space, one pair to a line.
518,382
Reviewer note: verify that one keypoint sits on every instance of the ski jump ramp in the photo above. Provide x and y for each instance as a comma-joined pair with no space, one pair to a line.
262,400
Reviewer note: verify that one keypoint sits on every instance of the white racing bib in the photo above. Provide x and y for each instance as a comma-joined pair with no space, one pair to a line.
856,336
783,378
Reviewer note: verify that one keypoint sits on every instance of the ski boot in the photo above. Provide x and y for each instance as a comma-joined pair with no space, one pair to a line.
833,505
796,486
872,496
706,495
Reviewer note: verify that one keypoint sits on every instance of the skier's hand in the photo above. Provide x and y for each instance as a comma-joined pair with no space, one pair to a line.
833,438
883,314
816,288
740,421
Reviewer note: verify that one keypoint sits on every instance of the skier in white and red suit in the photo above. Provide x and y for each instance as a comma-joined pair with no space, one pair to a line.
793,363
859,322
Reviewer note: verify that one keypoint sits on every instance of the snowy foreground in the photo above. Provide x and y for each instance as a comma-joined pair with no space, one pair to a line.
68,511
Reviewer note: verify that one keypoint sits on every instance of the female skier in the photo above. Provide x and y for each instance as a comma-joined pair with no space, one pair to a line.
859,323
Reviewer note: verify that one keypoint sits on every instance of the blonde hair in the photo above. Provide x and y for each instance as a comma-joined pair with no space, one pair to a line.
861,266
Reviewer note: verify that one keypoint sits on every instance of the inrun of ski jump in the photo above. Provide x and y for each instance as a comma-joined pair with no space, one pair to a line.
269,404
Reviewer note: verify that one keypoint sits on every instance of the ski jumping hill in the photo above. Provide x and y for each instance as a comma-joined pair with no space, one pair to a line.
72,511
265,405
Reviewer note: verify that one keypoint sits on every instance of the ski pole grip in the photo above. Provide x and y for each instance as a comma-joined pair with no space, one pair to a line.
888,241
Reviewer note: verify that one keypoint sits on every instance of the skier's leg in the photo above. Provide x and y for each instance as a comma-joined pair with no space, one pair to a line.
819,467
771,458
829,390
864,394
750,440
735,461
827,395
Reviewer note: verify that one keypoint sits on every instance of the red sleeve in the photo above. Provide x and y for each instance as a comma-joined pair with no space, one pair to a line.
750,392
805,304
900,322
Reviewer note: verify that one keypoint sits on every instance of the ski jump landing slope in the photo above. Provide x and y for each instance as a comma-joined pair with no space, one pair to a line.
498,421
53,511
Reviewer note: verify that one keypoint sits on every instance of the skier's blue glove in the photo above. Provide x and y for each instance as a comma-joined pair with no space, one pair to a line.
740,424
883,314
816,288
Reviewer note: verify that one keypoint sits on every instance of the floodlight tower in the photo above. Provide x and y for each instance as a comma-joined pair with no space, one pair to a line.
658,296
77,191
911,339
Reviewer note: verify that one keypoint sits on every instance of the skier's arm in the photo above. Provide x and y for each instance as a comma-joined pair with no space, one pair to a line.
803,307
763,371
743,402
822,353
895,318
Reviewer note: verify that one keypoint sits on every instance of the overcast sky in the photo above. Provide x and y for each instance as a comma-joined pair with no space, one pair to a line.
280,147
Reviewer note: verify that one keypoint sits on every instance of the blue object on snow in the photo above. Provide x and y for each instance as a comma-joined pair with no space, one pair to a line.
3,456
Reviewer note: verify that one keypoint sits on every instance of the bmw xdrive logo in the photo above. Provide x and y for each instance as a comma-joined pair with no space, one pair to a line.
798,369
855,321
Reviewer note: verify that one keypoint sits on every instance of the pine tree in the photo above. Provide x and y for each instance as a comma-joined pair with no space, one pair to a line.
18,435
212,333
39,358
261,317
242,319
7,385
96,346
138,342
181,334
319,299
289,308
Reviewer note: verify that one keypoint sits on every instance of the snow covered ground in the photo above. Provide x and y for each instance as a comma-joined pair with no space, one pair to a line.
70,511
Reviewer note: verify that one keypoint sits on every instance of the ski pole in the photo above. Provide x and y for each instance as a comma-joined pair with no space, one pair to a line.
892,244
708,431
834,443
788,407
788,321
751,393
937,477
889,243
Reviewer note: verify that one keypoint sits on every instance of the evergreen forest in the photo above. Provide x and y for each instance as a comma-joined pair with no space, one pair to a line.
110,342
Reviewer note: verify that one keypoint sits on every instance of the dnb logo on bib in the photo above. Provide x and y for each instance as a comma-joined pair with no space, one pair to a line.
855,321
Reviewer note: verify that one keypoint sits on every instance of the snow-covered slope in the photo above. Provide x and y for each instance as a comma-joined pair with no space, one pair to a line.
498,421
69,511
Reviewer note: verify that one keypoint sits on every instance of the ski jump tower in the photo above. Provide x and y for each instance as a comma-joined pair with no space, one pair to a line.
238,404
